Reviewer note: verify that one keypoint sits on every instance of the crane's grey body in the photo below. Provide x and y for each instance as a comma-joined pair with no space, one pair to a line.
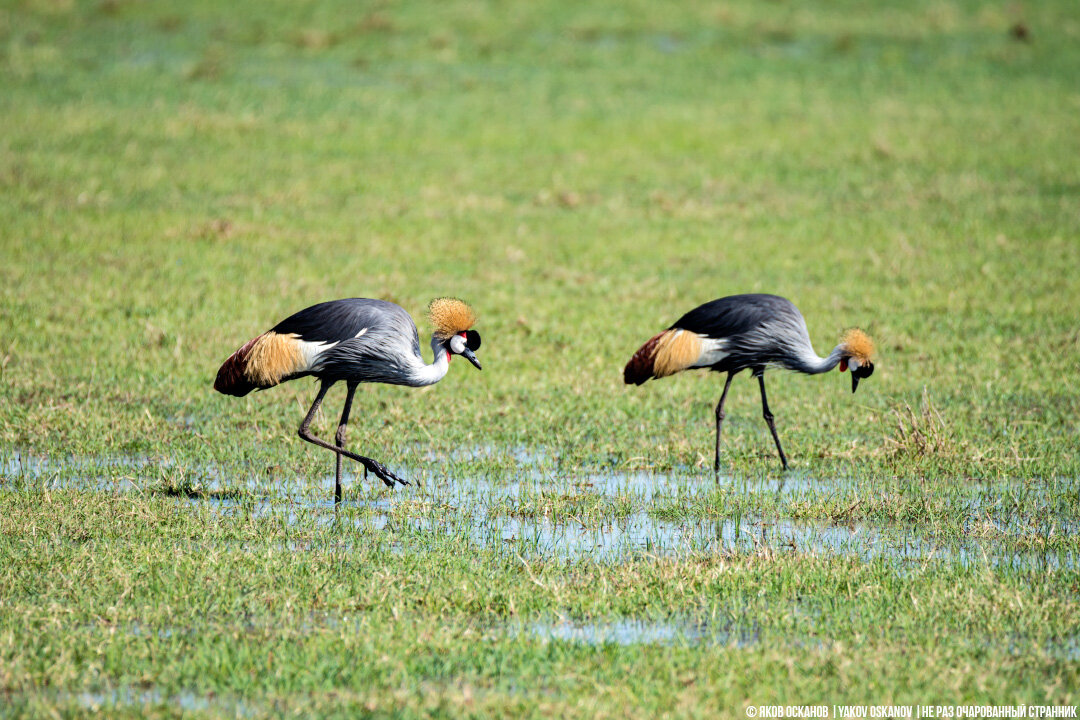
363,340
744,332
356,340
756,331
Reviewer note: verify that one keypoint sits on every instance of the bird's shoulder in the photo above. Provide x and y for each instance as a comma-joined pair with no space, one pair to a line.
339,320
735,314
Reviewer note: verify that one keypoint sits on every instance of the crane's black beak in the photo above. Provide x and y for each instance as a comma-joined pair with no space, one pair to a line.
469,355
863,372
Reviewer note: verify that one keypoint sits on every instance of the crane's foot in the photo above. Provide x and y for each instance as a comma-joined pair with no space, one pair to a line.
383,473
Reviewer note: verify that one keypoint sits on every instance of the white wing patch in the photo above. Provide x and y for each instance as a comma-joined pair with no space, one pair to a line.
312,350
712,352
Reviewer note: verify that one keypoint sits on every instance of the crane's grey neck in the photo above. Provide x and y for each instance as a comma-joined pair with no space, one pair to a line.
809,362
422,374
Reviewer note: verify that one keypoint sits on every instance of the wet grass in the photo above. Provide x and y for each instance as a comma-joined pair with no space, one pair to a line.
522,594
174,180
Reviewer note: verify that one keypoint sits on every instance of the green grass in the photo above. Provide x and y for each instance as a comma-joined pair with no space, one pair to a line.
176,178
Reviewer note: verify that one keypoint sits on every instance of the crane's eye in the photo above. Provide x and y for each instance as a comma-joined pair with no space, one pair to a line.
457,344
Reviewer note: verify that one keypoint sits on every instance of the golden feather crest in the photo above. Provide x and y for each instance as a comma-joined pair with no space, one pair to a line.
859,345
450,316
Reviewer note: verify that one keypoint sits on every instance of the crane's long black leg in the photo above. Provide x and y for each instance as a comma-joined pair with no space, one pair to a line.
304,432
339,438
374,466
769,416
719,422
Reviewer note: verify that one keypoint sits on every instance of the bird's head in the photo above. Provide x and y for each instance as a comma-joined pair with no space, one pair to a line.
453,321
465,344
856,351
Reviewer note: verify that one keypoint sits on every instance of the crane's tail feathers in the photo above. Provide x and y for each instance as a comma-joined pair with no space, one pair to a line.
665,354
261,363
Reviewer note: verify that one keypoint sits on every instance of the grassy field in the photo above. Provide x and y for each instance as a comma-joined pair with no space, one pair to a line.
177,177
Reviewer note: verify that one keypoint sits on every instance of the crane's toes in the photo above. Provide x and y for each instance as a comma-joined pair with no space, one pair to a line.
384,474
396,479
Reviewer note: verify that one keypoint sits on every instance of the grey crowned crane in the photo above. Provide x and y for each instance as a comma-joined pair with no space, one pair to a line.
355,340
742,332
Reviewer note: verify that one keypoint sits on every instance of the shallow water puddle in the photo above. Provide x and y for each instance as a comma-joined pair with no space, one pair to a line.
624,632
605,517
151,697
566,539
36,473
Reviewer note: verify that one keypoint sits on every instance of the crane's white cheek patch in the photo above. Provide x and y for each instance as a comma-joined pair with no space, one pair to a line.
457,344
853,364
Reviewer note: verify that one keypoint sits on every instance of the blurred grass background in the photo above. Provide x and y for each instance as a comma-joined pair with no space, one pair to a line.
176,178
